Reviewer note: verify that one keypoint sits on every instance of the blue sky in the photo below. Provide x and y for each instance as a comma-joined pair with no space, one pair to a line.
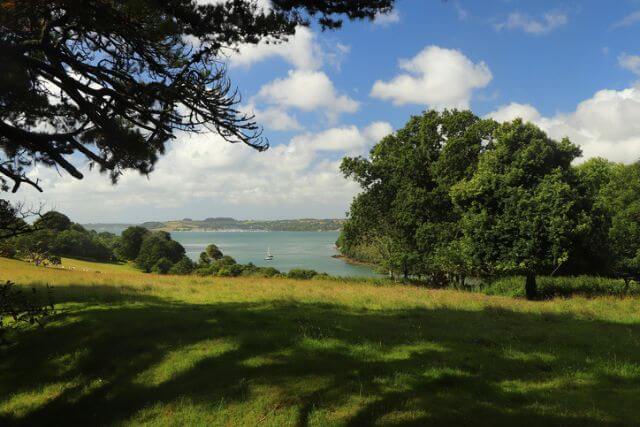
571,67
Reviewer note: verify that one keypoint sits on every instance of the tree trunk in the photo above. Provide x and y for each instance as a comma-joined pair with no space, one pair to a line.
530,287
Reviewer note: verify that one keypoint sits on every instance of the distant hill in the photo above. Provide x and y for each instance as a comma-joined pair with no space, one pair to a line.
212,224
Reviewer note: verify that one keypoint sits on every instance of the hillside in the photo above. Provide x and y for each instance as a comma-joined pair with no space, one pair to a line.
128,348
224,224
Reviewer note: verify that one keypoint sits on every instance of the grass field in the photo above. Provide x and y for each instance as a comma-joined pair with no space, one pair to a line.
129,348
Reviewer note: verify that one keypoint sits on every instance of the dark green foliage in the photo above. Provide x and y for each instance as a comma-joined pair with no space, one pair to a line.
521,208
53,220
213,252
76,244
228,267
183,267
621,199
405,220
302,274
12,220
17,308
162,266
204,259
156,246
54,235
450,196
131,241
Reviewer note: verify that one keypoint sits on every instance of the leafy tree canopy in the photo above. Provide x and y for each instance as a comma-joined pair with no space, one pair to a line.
131,241
53,220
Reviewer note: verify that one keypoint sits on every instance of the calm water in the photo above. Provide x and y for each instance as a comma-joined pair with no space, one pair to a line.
291,249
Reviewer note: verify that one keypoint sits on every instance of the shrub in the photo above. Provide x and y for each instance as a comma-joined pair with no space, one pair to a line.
156,246
162,266
131,241
182,267
302,274
213,252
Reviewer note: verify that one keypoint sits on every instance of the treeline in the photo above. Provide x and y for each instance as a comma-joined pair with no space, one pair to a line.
54,236
451,195
188,224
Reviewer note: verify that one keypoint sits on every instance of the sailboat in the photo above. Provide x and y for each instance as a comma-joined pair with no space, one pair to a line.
268,256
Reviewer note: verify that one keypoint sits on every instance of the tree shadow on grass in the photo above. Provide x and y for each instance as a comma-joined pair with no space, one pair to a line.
353,367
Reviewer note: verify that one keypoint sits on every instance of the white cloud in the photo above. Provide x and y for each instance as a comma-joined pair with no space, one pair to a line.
630,62
273,118
294,179
347,139
605,125
437,78
519,21
386,19
300,50
628,20
307,91
514,110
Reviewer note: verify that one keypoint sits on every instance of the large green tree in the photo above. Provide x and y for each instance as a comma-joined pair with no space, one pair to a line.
621,199
160,251
404,219
112,81
131,241
521,208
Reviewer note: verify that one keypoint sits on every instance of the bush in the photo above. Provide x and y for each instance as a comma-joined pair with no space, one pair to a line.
156,246
162,266
182,267
302,274
131,242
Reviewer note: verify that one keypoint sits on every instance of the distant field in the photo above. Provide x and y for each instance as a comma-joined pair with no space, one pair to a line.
128,348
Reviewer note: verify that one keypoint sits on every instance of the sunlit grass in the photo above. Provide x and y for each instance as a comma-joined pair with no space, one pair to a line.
133,348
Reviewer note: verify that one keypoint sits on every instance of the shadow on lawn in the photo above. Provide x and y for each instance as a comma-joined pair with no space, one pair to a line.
470,355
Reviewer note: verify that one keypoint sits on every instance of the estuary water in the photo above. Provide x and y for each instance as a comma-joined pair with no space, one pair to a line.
291,249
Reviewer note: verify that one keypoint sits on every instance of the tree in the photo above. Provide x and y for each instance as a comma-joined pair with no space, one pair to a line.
182,267
521,209
130,242
213,252
621,199
405,220
53,220
114,80
12,220
156,246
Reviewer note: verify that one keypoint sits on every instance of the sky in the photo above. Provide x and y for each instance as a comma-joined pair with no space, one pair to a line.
571,67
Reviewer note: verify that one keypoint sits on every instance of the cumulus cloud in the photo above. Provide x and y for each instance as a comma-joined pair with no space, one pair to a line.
273,118
307,91
348,139
515,110
294,179
301,50
386,19
437,78
519,21
605,125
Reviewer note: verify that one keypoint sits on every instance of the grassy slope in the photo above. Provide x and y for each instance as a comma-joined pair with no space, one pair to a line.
128,348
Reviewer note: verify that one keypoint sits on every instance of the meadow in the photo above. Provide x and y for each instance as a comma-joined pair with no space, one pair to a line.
126,348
